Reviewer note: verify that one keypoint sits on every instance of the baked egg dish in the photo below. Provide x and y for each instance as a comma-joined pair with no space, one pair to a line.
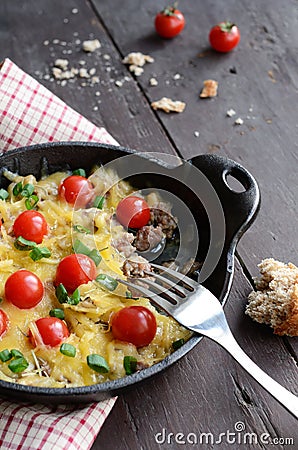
65,242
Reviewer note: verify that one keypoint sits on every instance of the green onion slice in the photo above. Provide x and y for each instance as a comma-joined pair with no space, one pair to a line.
27,190
178,344
99,201
75,298
80,172
57,312
130,364
39,252
18,364
107,281
61,294
68,350
5,355
16,353
23,244
97,363
3,194
17,189
80,247
31,201
81,229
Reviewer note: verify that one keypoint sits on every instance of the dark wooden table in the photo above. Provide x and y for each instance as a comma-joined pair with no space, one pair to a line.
206,392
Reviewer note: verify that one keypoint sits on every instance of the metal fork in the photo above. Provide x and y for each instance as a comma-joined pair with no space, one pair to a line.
197,309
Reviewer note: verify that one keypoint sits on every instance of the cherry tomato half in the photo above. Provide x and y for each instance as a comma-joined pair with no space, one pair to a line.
52,331
31,225
133,212
74,270
76,190
169,22
3,322
224,37
134,324
24,289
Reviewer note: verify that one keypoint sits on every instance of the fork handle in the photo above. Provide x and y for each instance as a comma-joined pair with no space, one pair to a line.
285,397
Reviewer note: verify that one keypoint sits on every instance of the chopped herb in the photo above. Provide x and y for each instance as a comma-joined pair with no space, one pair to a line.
39,252
16,353
57,312
80,172
31,201
3,194
27,190
95,255
107,281
63,297
61,294
97,363
1,299
23,244
5,355
68,350
18,365
81,229
80,247
178,344
36,253
17,189
99,201
130,364
75,298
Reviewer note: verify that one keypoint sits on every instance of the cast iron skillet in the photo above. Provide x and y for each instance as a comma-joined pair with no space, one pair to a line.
239,209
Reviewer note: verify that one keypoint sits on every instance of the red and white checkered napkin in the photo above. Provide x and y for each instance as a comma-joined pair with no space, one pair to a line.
31,114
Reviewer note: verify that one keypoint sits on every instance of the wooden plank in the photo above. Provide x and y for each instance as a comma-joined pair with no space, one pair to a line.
208,392
27,25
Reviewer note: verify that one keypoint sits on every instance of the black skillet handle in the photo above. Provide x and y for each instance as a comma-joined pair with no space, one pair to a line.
240,208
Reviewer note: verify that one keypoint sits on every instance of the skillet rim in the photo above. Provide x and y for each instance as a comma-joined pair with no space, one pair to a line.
101,391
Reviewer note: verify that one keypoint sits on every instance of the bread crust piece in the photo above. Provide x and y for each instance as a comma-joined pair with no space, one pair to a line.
275,302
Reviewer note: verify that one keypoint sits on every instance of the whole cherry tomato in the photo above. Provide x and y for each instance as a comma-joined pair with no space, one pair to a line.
24,289
76,190
169,22
74,270
134,324
3,322
133,212
31,225
52,331
224,36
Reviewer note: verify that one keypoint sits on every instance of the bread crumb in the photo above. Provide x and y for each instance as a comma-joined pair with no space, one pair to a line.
167,105
239,121
119,83
91,45
136,70
61,63
209,89
153,81
138,59
275,302
83,73
231,112
196,133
